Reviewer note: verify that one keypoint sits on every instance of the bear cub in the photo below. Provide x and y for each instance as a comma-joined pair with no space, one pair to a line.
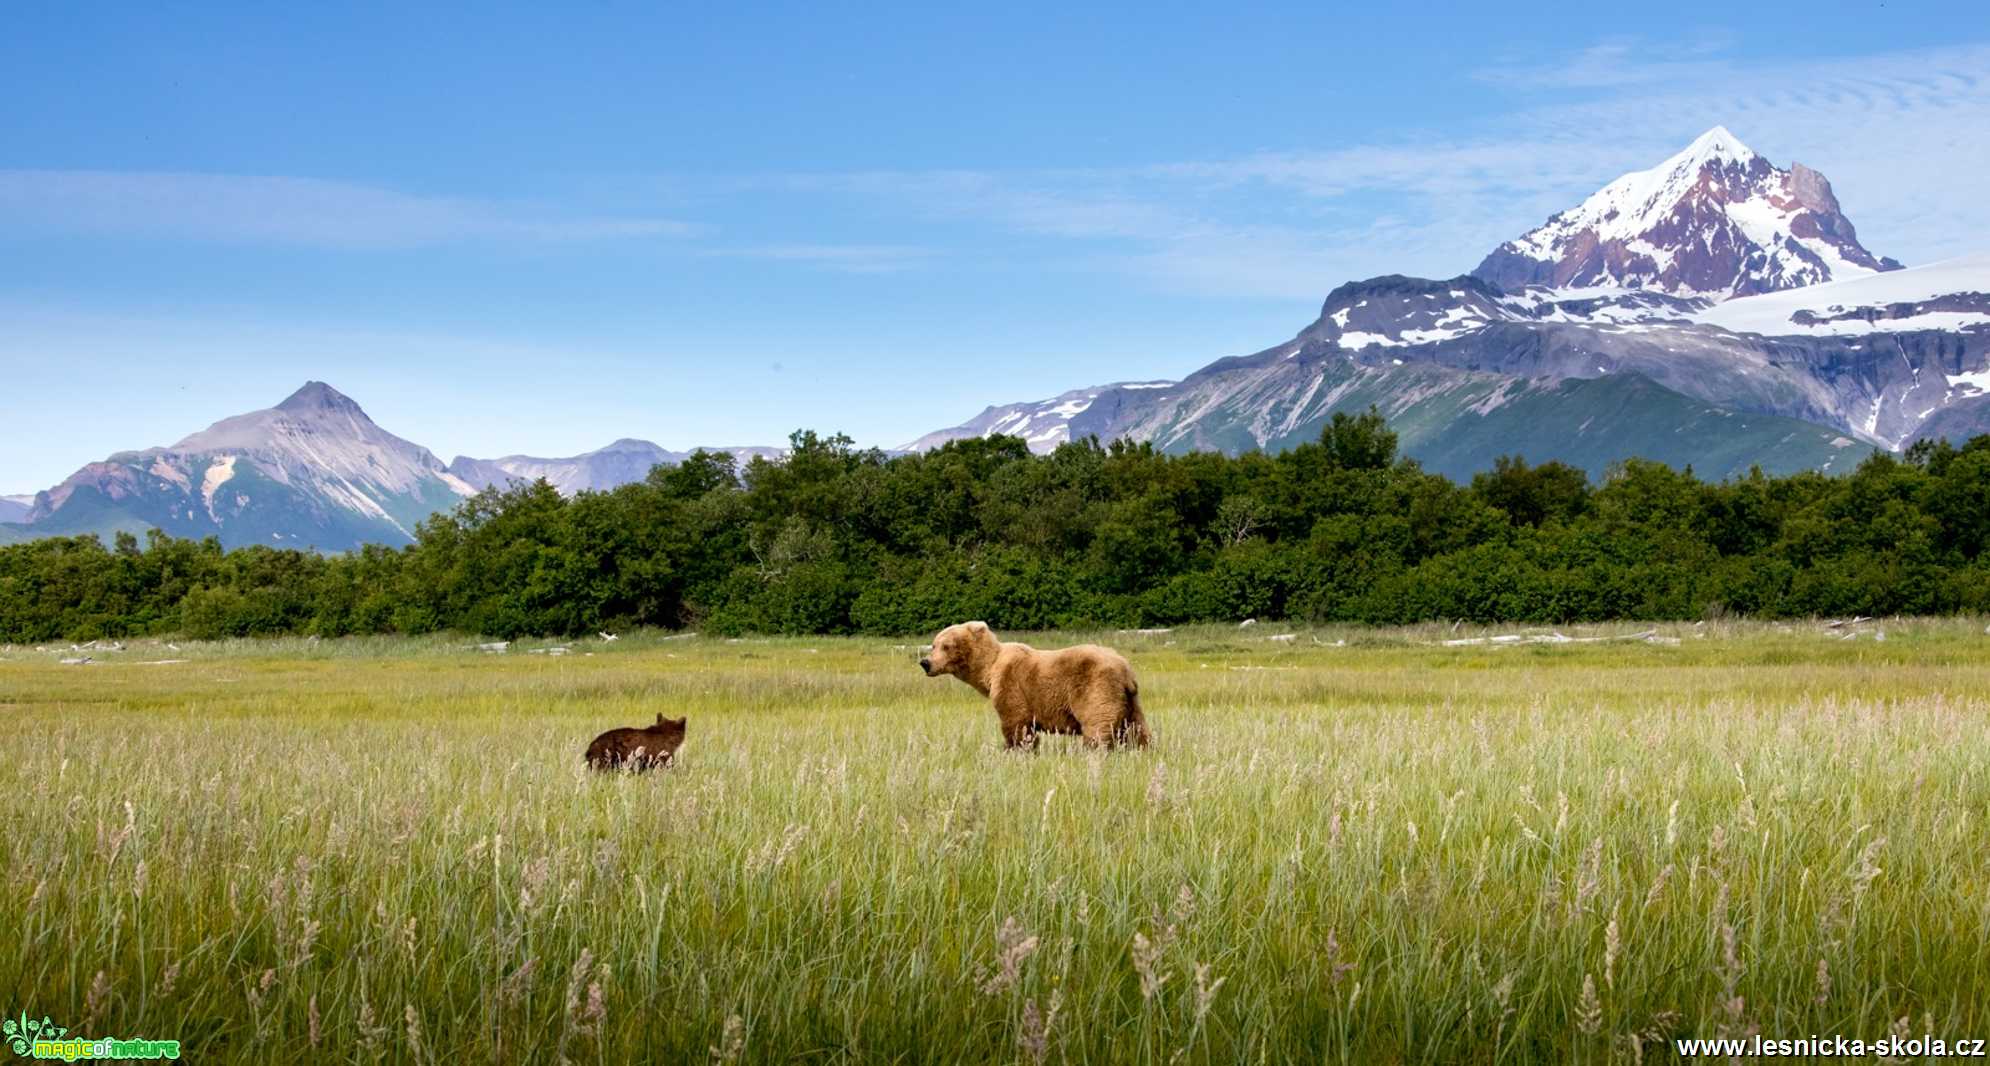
637,749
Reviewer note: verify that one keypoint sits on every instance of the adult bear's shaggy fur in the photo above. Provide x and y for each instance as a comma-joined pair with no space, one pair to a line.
1086,690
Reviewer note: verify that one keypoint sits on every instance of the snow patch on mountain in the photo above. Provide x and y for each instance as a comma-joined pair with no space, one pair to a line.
1950,295
1042,425
166,471
217,475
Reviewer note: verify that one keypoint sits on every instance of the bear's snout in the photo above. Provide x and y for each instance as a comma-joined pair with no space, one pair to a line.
926,665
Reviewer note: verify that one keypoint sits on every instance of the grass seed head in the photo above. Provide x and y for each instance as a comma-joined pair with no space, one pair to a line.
1588,1008
732,1041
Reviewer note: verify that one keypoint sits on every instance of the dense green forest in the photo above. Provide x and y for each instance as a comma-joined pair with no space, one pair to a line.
837,540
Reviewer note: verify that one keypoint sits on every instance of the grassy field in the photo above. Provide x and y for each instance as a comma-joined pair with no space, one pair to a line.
1383,850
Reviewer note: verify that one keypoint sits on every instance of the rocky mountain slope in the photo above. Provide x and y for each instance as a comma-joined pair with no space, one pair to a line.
1494,377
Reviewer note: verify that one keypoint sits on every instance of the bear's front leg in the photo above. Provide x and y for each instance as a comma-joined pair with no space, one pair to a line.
1018,736
1018,731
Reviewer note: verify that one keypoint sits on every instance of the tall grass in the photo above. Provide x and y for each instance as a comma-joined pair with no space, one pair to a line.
1378,851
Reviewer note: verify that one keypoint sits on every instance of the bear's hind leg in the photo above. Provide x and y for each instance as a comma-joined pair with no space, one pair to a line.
1133,727
1100,714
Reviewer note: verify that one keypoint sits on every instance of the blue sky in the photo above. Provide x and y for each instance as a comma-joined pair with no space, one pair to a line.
540,230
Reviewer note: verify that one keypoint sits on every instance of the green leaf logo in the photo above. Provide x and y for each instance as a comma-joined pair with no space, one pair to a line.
22,1032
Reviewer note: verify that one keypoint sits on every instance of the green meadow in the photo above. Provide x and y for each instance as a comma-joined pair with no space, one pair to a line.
1350,845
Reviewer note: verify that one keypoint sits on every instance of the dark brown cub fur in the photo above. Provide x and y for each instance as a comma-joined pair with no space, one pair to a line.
637,749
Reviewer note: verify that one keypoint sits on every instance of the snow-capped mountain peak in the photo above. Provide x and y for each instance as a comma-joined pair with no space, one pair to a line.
1716,143
1641,200
1717,219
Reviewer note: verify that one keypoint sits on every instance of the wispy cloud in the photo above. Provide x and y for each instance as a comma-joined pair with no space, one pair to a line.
849,258
288,210
1618,62
1895,132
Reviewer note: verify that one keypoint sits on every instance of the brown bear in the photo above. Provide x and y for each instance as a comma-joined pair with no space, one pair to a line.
638,749
1085,690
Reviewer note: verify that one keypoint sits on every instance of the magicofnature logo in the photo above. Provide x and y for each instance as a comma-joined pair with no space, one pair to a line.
43,1039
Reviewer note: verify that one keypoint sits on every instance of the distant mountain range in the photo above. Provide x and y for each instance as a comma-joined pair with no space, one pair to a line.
1713,311
1044,424
314,471
619,463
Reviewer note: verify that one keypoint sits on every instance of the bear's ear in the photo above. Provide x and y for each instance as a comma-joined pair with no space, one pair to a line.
659,718
977,627
682,721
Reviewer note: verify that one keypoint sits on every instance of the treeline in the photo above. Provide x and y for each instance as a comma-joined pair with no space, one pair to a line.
840,540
